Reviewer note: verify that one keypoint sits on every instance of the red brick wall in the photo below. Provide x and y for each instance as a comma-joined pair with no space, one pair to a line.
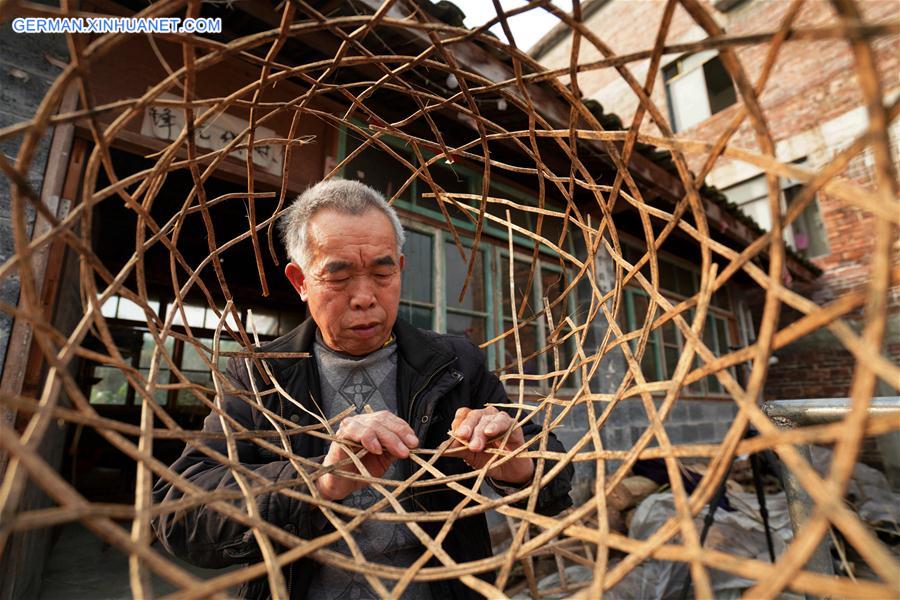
825,374
812,81
811,84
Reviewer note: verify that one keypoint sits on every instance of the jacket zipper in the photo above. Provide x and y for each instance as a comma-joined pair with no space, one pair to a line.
290,582
412,407
412,403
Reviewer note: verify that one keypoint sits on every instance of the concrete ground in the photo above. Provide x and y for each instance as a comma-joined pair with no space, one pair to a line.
83,567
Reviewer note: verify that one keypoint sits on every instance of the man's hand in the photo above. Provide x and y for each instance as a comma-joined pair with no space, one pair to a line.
383,434
485,428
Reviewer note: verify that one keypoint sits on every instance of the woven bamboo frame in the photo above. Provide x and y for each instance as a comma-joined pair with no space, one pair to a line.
575,531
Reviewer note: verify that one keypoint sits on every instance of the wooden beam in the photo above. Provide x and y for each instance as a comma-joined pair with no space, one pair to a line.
230,169
25,552
18,349
55,261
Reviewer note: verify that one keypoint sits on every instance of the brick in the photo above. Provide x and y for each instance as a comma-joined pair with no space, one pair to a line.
697,411
637,432
615,439
706,432
688,434
636,410
811,84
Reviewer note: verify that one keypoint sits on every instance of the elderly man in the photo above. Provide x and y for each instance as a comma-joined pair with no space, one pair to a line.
405,388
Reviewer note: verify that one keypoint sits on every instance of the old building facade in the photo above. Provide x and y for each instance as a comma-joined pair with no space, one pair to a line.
814,109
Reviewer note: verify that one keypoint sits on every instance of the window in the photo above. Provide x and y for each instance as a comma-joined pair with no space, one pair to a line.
194,368
715,336
268,323
433,277
435,270
525,295
698,86
806,234
117,307
808,229
467,316
417,294
548,281
554,282
110,387
665,344
147,347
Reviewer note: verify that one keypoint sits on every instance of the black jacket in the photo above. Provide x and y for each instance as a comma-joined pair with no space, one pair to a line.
436,375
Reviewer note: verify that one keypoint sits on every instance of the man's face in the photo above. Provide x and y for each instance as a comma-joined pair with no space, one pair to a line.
352,282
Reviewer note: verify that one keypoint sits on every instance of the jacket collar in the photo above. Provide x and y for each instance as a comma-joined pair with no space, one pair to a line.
420,359
299,339
420,351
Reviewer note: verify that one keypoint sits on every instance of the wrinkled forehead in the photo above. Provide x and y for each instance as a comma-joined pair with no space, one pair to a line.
340,240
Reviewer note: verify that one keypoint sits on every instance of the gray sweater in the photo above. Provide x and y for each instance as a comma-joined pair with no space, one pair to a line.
370,380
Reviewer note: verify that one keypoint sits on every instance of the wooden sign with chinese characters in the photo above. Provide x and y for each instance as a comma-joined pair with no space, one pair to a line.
166,123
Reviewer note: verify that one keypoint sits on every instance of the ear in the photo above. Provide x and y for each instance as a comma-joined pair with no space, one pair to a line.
402,261
295,275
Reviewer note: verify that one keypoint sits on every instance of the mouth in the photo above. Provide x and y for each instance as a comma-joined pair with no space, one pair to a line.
365,329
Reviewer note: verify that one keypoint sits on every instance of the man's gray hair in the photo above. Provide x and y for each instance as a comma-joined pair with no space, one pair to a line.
343,195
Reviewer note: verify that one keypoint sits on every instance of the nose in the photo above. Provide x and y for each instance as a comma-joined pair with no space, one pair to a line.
362,294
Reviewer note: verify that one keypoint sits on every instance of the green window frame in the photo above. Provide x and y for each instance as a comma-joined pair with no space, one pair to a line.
544,361
470,178
418,297
666,343
110,388
444,308
476,305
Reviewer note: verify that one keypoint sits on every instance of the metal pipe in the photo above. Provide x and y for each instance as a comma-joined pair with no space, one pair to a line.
816,411
800,507
789,414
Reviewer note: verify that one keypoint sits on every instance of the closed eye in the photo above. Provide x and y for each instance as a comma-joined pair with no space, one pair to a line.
337,280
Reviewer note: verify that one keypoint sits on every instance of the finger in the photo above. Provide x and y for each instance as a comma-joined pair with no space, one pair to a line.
369,439
392,443
400,428
335,454
516,438
349,429
498,425
460,416
352,430
479,440
510,437
468,457
468,425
